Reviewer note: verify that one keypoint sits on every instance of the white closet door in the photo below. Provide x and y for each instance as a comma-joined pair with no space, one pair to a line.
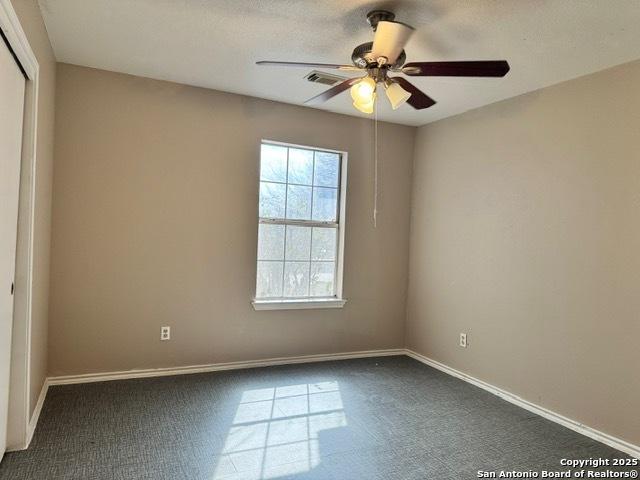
12,84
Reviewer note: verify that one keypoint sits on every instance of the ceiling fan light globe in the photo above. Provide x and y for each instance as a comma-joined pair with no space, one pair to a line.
365,107
363,91
396,94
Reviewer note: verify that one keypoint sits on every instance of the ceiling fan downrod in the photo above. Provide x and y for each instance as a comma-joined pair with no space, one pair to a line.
363,55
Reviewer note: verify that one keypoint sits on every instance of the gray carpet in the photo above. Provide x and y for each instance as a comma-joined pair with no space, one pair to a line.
379,418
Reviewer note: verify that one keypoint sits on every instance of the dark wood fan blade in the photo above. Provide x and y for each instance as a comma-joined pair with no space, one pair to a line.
483,68
418,98
333,91
334,66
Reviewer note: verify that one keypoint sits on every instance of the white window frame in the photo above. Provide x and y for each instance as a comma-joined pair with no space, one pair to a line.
336,301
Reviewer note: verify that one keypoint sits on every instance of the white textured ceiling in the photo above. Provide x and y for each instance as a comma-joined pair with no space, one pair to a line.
215,43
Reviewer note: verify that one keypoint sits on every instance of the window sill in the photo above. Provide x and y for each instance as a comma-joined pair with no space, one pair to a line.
298,304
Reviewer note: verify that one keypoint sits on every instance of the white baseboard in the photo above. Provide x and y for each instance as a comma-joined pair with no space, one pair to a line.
33,421
605,438
36,412
214,367
618,444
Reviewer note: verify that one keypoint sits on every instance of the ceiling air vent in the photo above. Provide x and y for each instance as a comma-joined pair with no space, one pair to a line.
324,78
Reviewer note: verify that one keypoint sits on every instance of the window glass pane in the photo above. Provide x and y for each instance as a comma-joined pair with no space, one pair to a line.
272,200
322,274
273,163
298,243
269,282
299,202
326,172
270,242
324,244
296,279
300,166
298,186
325,204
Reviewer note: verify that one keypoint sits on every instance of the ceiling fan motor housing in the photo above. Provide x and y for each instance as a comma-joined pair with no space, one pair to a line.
376,16
362,58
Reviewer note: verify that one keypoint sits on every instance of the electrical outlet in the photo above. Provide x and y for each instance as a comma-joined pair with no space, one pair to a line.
463,340
165,333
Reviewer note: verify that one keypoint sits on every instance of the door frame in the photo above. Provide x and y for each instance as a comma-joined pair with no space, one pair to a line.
21,425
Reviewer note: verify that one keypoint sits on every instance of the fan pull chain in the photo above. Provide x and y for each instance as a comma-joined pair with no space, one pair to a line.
375,165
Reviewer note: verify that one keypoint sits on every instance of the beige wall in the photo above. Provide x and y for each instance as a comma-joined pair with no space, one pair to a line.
155,223
525,234
33,25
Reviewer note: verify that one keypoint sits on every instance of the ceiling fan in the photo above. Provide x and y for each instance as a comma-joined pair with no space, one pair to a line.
386,55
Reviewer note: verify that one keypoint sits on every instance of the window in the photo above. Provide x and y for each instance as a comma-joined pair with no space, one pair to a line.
300,227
